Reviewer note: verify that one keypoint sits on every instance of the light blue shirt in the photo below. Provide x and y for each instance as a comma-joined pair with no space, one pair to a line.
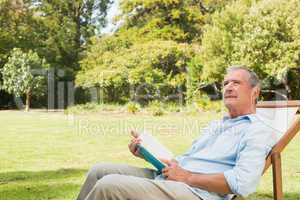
236,147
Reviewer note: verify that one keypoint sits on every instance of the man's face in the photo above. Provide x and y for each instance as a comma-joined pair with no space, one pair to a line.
237,91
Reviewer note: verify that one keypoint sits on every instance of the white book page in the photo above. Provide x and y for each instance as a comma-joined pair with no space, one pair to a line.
155,147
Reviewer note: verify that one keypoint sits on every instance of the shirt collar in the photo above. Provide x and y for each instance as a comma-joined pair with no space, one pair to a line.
250,117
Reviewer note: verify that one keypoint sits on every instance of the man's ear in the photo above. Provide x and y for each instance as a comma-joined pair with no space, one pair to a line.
255,93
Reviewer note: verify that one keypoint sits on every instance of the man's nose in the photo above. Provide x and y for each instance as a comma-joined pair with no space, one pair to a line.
227,90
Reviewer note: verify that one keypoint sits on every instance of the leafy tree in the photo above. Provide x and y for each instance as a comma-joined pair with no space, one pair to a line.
17,28
262,35
153,47
178,20
194,69
217,41
147,67
56,30
69,25
23,74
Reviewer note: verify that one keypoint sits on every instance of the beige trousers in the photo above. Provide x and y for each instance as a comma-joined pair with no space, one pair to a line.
124,182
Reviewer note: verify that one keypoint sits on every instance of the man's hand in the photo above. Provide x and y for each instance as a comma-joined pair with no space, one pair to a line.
175,173
209,182
133,144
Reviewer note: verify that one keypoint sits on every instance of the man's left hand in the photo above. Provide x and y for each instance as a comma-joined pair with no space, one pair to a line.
175,173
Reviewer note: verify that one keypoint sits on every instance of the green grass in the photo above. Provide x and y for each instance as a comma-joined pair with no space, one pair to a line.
45,156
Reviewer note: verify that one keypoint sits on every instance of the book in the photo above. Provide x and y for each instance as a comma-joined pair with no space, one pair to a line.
152,150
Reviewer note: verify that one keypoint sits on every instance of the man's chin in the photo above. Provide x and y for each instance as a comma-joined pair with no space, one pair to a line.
229,103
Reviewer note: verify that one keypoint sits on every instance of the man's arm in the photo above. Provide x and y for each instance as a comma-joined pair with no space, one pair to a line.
209,182
243,178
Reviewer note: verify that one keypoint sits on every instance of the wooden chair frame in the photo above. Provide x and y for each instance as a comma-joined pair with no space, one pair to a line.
274,157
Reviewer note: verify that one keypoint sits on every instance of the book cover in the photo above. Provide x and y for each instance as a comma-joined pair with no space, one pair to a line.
152,150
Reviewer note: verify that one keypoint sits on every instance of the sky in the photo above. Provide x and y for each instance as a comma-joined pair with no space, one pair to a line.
112,12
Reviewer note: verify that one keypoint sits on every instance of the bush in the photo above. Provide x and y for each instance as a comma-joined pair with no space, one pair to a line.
172,107
111,107
203,103
91,108
82,108
156,108
133,107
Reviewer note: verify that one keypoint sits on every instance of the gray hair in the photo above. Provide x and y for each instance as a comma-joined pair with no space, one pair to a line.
253,78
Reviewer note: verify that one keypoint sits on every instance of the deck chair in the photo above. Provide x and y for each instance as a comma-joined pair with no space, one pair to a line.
290,128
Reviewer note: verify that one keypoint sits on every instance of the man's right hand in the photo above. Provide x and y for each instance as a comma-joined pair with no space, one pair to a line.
133,144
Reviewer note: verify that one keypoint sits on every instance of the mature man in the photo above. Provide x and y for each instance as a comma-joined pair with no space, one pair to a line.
227,159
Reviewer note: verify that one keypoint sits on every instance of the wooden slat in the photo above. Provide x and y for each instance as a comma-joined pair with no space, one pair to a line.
278,104
277,176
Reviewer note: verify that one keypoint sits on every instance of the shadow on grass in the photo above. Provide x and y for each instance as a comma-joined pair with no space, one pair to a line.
7,177
61,184
64,184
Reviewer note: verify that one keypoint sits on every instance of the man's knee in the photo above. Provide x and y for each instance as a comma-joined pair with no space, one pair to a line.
112,180
109,185
99,170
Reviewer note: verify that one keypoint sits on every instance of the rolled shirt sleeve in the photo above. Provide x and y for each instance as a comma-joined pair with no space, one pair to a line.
244,177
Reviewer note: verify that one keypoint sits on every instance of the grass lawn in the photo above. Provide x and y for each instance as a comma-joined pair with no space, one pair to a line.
44,156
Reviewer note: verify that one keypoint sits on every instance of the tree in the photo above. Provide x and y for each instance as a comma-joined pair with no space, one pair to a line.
56,30
262,35
194,69
23,74
154,69
153,47
178,20
66,27
16,28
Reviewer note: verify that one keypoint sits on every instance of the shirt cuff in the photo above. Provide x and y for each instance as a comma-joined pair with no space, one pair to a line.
231,180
